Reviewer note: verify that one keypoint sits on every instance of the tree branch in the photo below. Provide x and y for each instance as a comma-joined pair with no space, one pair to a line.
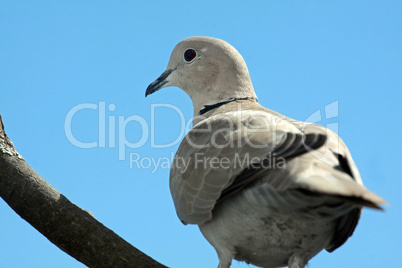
72,229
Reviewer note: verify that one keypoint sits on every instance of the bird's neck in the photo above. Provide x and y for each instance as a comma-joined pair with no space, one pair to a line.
207,109
210,107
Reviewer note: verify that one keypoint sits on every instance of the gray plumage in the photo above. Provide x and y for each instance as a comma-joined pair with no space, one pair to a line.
263,188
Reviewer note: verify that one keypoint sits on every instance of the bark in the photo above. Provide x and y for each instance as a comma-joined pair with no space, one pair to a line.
72,229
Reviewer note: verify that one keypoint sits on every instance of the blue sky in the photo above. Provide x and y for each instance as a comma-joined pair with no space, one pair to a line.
56,56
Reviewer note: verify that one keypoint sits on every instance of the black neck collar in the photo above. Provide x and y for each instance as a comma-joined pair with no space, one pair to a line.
208,108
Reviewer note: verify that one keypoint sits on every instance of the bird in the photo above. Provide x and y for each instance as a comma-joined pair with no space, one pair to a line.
263,188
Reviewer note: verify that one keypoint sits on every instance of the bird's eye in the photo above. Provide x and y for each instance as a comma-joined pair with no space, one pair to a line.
189,55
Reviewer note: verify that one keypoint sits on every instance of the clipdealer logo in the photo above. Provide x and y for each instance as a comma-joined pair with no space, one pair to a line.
112,130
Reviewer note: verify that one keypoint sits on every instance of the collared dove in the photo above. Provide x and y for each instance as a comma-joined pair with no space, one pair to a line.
263,188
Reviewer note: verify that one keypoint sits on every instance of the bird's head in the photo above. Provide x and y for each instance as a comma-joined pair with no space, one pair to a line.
209,70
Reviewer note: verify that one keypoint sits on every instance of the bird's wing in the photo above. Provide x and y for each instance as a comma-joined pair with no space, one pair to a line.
225,153
220,148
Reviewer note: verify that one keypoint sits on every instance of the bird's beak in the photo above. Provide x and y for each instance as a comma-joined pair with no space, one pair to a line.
158,83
